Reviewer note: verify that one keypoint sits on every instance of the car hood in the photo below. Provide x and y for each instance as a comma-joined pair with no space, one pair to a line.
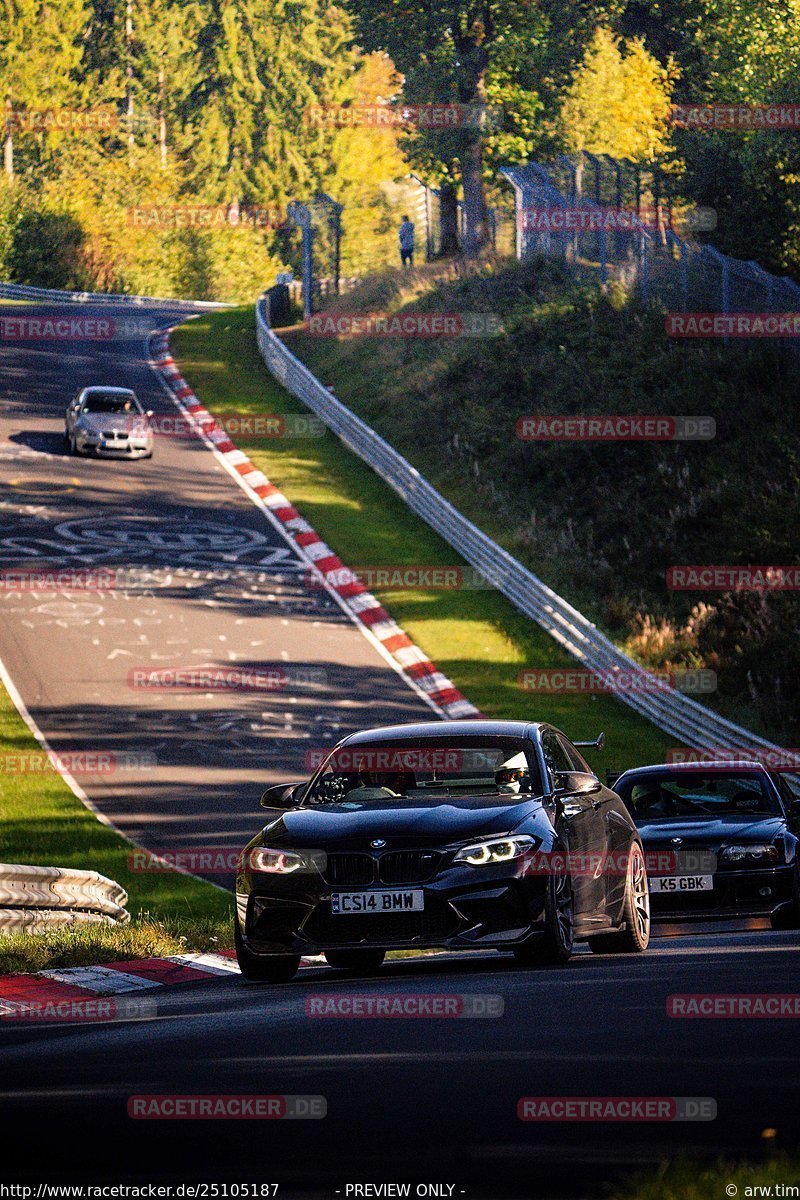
711,832
114,422
404,822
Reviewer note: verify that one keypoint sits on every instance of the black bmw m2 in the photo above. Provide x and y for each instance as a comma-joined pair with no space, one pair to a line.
731,833
462,835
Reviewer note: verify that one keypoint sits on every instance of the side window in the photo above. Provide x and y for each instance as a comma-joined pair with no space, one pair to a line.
554,755
576,762
787,794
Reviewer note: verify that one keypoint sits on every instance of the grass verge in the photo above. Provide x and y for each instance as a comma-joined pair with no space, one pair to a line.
476,637
43,823
601,522
692,1181
93,945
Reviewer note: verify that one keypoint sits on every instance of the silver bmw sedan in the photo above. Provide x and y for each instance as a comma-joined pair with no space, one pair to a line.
108,422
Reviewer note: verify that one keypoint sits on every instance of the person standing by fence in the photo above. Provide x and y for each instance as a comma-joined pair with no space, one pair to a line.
407,243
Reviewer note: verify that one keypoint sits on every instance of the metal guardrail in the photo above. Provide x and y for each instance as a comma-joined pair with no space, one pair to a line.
19,291
35,898
672,711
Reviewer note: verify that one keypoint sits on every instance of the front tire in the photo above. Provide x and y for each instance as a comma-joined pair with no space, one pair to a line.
554,948
264,968
634,938
358,962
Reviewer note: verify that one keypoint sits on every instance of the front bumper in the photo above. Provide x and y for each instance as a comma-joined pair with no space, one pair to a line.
133,448
748,893
464,908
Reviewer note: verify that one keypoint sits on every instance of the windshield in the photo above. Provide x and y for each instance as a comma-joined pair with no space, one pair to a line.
701,794
109,402
431,770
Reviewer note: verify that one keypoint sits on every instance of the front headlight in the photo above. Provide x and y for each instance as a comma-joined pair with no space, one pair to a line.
754,854
279,862
496,850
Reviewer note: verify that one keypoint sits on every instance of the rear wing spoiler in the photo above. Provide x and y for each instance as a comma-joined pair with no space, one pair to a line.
597,744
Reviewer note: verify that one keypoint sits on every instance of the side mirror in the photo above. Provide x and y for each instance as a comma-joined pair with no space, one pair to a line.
282,795
576,783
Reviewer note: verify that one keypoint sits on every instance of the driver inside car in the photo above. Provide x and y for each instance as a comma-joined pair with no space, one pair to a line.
513,775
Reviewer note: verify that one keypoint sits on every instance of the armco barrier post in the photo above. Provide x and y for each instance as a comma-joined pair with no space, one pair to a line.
280,308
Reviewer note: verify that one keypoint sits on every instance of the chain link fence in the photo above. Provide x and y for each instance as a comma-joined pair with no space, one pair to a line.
621,220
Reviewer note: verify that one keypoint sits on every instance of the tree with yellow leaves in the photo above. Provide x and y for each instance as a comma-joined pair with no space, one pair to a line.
618,101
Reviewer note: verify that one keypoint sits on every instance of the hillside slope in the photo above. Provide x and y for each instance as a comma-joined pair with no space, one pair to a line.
601,522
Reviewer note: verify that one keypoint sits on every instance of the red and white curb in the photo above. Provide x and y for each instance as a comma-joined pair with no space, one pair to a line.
79,993
364,609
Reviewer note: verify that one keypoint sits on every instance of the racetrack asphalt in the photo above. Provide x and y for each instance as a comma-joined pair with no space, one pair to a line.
423,1098
215,584
417,1098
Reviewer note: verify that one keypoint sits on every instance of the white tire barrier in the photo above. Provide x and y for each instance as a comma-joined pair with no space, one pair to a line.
42,897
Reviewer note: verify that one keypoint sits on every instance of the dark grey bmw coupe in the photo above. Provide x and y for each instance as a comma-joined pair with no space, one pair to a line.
462,835
732,833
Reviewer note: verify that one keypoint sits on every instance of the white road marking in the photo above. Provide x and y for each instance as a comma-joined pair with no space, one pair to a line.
215,964
100,980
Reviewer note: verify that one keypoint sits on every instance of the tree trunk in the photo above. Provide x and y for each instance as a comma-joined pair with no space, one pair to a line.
162,122
448,219
474,56
8,144
129,73
477,233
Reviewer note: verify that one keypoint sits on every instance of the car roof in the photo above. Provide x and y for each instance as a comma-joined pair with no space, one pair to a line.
442,730
714,764
101,387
